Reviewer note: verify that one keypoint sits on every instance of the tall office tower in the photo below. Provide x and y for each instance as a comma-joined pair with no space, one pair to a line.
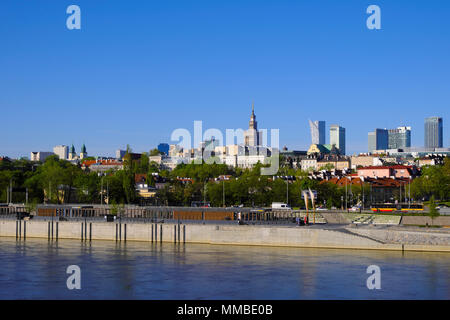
253,137
399,138
337,137
317,132
163,147
120,154
62,152
378,140
433,132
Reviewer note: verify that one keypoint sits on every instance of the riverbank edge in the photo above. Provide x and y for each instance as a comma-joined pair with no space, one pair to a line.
273,236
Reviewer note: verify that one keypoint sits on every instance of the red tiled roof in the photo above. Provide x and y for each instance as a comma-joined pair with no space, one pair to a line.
397,166
140,177
88,163
380,182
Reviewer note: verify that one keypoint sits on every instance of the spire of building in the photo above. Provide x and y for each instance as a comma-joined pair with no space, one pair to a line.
253,124
83,149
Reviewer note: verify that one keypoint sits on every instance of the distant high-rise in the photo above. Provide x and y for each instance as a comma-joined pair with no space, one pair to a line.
253,137
62,152
433,132
399,138
317,132
337,137
378,140
163,147
120,154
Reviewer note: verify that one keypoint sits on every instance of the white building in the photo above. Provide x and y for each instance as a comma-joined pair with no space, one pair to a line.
62,152
40,155
337,138
120,154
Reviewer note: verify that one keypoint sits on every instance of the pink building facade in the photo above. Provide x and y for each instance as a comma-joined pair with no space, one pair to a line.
397,171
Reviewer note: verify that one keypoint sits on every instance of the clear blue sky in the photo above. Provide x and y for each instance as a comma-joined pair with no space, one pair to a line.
137,70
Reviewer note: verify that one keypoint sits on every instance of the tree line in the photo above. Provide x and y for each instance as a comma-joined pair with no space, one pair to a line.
59,181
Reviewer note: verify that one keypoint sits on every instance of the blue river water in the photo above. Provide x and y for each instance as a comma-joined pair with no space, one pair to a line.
36,269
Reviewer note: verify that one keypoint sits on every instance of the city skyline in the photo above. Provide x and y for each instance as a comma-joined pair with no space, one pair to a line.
385,142
133,75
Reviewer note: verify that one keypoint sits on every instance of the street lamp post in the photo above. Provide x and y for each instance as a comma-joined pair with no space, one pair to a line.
287,191
101,191
10,191
223,191
346,196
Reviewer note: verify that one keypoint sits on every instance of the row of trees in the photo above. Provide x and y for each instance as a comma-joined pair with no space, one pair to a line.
59,181
434,181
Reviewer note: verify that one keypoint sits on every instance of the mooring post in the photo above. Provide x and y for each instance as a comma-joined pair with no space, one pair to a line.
174,233
152,232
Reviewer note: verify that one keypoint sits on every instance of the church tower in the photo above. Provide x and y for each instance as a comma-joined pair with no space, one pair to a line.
72,153
83,153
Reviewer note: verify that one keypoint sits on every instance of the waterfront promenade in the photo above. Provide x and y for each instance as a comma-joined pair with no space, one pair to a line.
314,236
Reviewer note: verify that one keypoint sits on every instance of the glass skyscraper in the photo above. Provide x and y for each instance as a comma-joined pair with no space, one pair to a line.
378,140
433,132
399,138
337,137
317,132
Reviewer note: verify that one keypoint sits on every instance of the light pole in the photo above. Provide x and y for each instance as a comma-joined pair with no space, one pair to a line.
362,186
287,191
223,190
10,191
107,190
49,192
204,194
346,196
101,191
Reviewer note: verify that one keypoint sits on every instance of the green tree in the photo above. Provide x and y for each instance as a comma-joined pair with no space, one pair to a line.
155,152
433,212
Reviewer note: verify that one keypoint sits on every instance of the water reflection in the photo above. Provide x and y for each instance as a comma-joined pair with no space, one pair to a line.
36,269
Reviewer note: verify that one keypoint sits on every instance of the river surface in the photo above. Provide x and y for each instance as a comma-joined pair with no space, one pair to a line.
36,269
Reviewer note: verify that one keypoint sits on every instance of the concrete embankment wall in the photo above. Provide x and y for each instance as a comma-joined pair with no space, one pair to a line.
423,220
210,234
